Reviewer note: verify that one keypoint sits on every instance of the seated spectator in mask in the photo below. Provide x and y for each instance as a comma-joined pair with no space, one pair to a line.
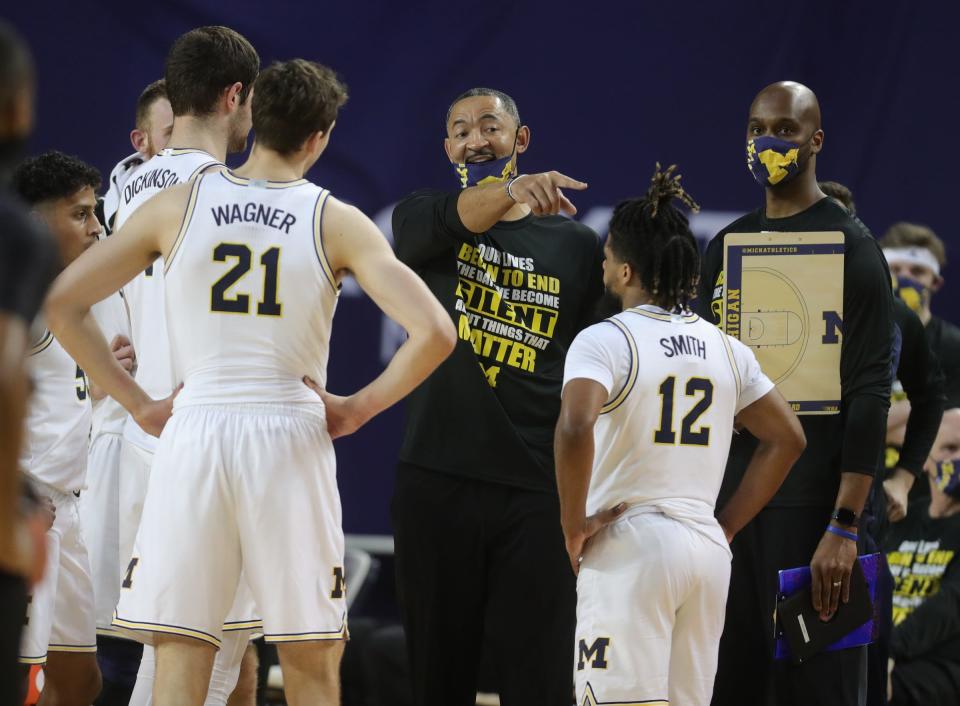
921,551
917,258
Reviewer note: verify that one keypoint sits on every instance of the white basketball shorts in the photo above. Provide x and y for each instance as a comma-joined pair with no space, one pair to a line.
651,599
239,490
60,617
100,518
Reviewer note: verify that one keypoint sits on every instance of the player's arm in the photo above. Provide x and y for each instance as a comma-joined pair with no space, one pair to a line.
96,274
573,450
597,363
356,246
780,441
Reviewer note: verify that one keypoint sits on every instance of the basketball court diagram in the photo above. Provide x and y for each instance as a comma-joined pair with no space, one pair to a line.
781,289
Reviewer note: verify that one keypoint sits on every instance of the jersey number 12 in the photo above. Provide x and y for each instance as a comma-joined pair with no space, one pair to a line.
240,303
696,387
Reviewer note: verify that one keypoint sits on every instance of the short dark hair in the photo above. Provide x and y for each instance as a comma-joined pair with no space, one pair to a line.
293,100
152,93
914,235
16,64
509,104
53,175
653,236
205,61
839,192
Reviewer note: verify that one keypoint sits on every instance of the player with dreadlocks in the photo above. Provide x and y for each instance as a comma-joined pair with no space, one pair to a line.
650,399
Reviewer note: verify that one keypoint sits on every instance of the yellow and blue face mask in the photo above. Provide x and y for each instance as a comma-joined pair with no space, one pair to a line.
492,172
772,161
496,171
913,294
948,480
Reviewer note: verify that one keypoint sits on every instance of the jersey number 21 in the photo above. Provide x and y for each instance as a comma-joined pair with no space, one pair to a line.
221,300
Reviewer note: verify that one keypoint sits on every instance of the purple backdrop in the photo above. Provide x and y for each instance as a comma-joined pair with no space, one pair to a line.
607,88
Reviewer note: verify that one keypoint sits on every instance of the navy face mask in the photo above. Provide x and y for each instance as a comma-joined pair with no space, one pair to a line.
912,293
492,172
772,161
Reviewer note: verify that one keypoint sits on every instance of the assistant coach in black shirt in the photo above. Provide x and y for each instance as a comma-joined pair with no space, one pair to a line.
479,551
827,488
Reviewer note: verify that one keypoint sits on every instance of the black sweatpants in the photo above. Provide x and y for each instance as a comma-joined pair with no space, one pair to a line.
778,538
483,562
13,613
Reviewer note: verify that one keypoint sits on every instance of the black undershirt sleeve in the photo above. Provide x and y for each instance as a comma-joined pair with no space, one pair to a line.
865,359
922,378
427,224
710,264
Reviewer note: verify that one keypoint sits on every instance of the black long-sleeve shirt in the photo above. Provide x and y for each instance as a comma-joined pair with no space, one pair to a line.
518,294
922,380
853,440
944,339
925,643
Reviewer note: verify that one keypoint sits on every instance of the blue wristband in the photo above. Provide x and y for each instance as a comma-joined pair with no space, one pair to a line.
841,533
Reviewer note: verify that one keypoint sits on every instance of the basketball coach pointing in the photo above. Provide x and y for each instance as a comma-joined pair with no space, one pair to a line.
480,555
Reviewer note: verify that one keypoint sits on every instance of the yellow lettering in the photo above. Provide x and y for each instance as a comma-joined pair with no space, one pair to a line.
529,359
491,374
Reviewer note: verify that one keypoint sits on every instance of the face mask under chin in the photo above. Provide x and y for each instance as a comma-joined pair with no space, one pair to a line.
491,172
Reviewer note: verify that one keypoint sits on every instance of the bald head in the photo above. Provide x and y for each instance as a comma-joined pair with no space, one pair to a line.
788,99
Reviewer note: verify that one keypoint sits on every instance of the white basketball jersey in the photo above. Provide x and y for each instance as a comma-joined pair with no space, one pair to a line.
250,295
111,315
57,428
675,383
144,294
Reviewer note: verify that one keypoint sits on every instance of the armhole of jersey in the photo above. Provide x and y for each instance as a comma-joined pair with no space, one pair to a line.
43,343
184,224
631,380
202,169
733,362
318,238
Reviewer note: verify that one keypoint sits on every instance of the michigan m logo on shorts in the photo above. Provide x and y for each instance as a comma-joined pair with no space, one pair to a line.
595,654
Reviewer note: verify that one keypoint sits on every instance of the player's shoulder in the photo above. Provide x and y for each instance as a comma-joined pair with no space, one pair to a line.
612,328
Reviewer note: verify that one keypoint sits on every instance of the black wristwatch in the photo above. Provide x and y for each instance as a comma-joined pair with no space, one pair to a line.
844,516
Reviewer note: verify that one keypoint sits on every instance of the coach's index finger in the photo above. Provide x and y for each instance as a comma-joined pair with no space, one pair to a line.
565,182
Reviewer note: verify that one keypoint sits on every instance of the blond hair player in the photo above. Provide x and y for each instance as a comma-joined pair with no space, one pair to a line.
245,471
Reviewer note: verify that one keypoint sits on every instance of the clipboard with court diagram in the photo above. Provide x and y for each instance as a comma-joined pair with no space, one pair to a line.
783,297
